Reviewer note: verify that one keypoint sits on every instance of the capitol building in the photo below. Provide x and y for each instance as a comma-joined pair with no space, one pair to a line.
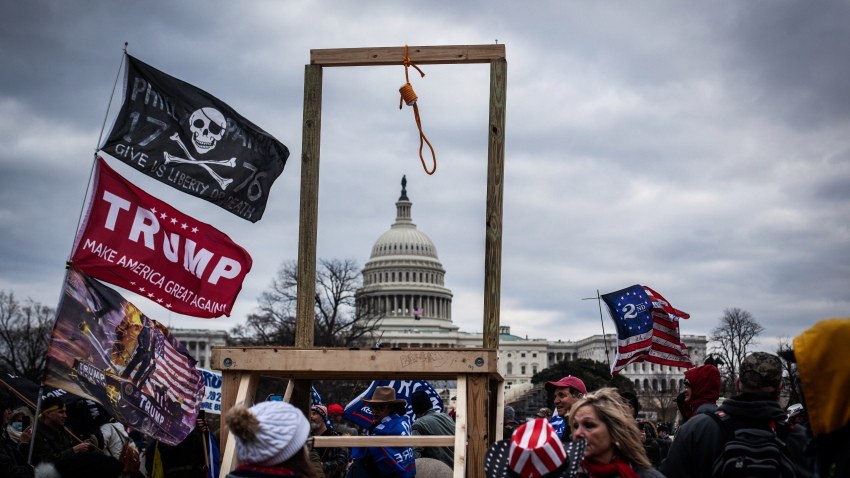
404,284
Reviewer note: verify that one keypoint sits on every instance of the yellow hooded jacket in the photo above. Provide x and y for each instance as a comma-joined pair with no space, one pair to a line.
822,359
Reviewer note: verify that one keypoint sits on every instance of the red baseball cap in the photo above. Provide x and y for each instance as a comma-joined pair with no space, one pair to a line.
334,410
569,381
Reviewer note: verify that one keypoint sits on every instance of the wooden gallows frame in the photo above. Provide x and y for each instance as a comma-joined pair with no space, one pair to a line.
480,387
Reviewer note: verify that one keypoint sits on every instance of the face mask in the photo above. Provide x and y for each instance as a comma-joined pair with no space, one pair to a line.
17,426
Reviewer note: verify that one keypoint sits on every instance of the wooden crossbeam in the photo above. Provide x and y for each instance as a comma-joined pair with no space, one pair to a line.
421,55
341,364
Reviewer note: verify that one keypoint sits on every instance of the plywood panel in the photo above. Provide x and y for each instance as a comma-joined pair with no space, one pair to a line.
244,395
461,412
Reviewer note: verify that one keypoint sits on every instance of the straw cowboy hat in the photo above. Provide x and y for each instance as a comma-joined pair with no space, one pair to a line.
384,395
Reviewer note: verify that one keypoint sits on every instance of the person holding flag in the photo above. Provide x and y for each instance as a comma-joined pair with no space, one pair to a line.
388,419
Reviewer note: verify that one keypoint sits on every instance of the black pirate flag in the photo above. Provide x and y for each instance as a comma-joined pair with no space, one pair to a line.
192,141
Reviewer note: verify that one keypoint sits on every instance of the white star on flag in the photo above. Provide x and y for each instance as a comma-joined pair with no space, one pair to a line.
194,229
153,210
173,221
159,300
184,226
162,216
132,283
168,305
150,295
141,289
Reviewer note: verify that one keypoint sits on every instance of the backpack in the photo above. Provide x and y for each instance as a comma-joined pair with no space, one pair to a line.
752,451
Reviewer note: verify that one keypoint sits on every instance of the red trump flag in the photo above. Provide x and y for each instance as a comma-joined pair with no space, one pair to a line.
133,240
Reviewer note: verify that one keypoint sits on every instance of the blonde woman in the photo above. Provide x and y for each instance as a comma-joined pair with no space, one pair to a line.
613,440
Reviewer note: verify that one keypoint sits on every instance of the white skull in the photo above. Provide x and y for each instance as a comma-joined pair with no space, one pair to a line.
207,126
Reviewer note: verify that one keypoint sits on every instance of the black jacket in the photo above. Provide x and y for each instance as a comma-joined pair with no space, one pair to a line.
12,463
700,440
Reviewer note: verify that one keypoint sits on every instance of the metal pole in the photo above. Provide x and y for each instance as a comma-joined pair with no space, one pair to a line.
35,423
602,321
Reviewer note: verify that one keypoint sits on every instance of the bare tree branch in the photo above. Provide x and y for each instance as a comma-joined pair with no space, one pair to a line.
24,336
732,340
338,322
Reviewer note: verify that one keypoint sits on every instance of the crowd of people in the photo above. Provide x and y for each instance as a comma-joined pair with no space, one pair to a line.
747,435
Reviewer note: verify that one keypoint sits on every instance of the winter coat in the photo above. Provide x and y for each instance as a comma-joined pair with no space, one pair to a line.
51,445
433,422
334,461
700,440
248,471
12,463
705,388
114,439
826,384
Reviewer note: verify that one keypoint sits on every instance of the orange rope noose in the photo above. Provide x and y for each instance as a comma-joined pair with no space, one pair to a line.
409,97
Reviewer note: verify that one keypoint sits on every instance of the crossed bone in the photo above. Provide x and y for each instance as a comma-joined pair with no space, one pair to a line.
223,182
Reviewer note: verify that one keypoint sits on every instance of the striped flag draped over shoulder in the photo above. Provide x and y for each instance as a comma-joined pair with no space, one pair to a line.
647,328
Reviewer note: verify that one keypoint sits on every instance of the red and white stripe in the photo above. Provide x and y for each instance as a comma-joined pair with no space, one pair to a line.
180,379
662,345
536,449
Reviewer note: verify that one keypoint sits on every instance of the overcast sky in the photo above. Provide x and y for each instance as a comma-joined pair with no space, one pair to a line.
698,148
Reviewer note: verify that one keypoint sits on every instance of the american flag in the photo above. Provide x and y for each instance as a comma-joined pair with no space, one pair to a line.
176,374
647,328
418,311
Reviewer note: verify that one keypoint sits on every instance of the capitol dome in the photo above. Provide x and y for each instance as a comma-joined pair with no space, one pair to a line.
403,279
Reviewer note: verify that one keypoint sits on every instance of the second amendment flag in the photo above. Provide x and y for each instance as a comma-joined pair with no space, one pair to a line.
183,136
132,239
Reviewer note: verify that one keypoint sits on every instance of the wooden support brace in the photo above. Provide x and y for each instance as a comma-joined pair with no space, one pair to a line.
460,428
420,55
244,395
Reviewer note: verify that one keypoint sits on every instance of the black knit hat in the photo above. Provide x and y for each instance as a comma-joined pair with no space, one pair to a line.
420,402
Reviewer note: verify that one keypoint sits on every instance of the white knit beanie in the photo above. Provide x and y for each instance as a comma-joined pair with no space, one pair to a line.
268,433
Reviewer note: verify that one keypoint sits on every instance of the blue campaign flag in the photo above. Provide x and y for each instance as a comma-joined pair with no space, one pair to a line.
317,400
391,460
358,411
212,451
558,424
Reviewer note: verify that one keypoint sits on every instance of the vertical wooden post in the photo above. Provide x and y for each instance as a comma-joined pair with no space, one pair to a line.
308,223
495,189
246,387
493,239
229,388
477,424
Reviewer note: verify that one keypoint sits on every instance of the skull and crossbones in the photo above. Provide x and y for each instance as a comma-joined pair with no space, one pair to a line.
207,126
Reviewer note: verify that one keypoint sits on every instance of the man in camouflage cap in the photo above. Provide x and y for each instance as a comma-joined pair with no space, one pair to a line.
700,441
760,371
544,413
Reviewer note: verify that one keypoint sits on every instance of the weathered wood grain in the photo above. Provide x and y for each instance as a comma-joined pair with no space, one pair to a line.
461,414
478,444
420,55
308,220
495,189
244,395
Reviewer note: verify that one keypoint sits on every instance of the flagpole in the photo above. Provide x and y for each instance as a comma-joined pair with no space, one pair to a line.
602,321
34,424
598,298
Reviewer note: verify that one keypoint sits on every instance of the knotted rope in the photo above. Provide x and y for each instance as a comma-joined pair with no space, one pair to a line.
409,97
